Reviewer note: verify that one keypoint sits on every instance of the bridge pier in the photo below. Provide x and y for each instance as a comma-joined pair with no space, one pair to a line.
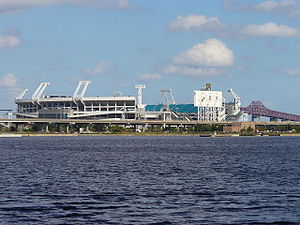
79,128
88,128
255,117
145,127
58,128
20,127
152,127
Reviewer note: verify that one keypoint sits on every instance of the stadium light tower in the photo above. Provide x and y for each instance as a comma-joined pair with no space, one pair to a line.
140,95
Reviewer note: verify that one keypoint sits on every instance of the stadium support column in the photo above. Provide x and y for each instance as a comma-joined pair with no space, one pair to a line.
58,128
140,99
145,127
20,127
198,108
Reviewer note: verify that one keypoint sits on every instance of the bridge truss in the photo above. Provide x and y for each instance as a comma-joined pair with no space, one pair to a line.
256,108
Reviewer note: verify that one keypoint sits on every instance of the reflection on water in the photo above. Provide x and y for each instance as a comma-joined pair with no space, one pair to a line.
149,180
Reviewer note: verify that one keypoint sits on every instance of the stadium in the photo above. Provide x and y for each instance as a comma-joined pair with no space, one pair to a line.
74,107
208,106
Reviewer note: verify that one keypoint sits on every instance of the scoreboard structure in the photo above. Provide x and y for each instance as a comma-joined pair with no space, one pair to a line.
210,105
208,98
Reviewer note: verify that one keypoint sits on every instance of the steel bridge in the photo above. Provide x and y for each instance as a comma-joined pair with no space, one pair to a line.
256,108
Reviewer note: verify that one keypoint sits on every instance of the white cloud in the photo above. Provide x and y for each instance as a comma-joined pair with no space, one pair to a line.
290,8
9,39
212,53
291,72
204,59
213,24
191,71
195,23
102,68
270,30
298,47
13,6
9,81
148,77
9,88
103,4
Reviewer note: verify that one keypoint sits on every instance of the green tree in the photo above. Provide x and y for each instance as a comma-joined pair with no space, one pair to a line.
117,129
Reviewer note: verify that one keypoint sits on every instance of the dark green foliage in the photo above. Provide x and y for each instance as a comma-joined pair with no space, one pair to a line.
280,128
12,129
98,128
36,127
200,128
248,132
117,129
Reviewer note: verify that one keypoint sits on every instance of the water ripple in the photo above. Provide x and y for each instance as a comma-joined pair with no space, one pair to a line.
150,180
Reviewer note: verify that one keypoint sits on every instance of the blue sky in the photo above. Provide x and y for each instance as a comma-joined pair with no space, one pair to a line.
250,46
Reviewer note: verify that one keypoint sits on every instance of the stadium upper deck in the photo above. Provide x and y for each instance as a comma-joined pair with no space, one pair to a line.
76,106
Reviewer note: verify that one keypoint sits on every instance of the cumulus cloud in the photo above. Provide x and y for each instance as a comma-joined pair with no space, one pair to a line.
291,72
213,53
9,39
9,81
9,84
103,4
290,8
191,71
148,77
270,30
213,24
204,59
195,23
102,68
14,6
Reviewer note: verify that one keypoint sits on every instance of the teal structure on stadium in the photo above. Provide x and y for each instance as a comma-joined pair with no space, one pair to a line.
178,108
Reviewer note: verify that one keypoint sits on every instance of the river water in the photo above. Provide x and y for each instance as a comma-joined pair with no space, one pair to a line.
150,180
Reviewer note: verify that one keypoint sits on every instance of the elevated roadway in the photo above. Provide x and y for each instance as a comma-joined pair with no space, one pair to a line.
133,122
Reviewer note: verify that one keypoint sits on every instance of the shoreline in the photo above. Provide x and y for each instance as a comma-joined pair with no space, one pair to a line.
3,135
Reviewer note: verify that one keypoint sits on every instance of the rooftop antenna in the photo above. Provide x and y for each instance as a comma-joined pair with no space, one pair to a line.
83,84
21,95
39,91
168,96
236,99
207,87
